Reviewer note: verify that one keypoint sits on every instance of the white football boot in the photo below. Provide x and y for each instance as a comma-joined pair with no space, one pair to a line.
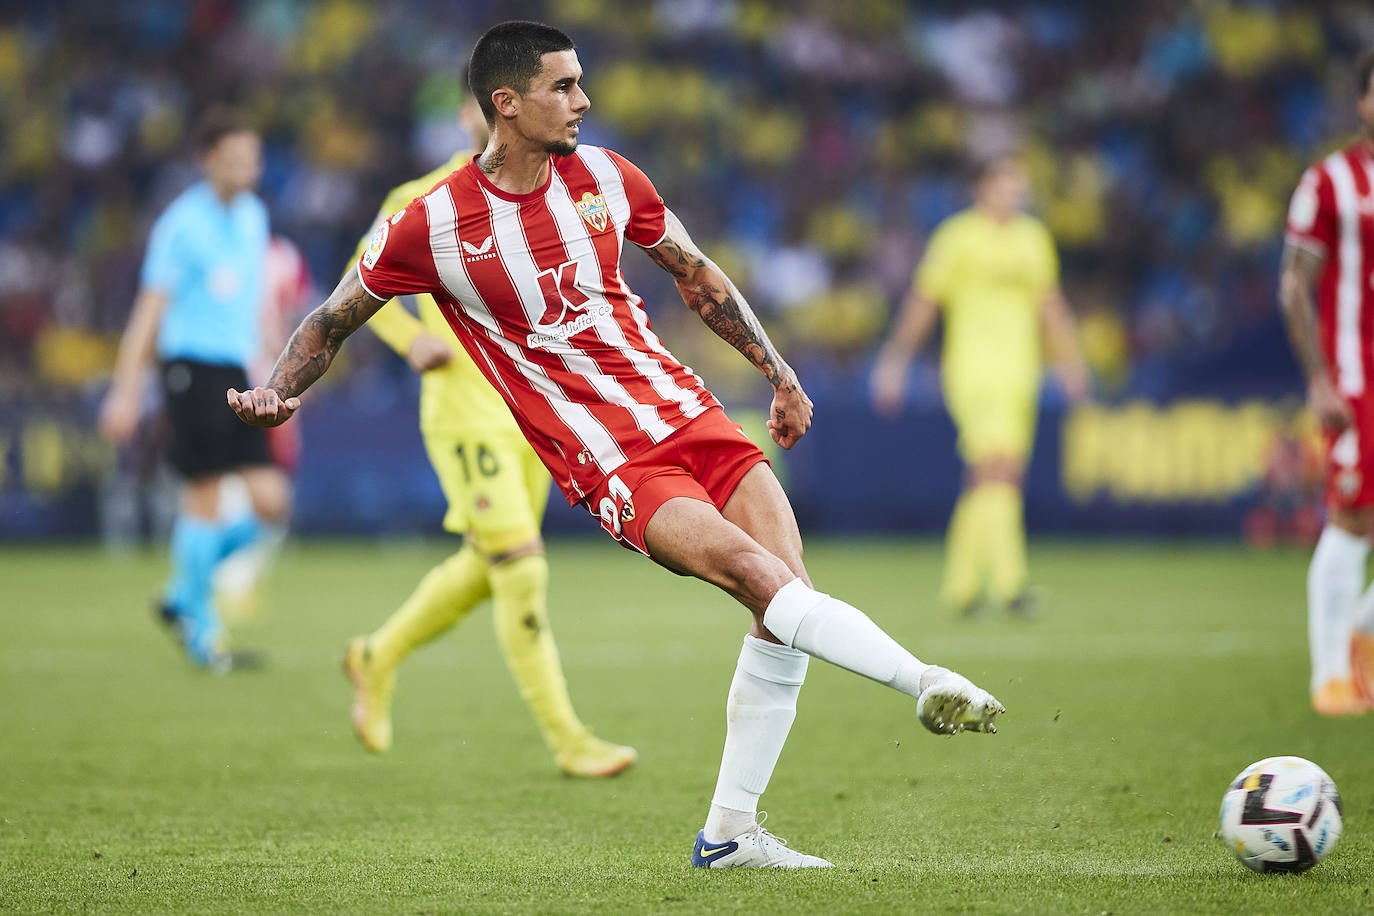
950,703
755,848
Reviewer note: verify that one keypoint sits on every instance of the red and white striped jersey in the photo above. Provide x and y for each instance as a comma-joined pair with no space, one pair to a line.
1332,215
531,285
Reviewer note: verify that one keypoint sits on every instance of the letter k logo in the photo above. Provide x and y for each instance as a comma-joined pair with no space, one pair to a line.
559,287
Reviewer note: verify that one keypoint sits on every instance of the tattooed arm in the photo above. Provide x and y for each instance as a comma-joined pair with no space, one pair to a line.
307,355
721,306
1296,282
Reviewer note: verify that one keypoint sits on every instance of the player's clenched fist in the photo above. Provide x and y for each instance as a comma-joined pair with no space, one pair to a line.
262,406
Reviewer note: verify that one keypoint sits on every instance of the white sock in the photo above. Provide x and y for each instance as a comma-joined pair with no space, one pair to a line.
242,571
1334,581
758,716
843,635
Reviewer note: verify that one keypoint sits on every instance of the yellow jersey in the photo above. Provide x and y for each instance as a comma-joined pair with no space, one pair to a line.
457,396
990,279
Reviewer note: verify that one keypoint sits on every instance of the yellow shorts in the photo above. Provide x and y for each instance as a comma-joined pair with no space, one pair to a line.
495,485
993,423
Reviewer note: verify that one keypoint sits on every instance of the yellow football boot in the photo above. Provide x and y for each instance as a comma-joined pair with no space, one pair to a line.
589,756
372,690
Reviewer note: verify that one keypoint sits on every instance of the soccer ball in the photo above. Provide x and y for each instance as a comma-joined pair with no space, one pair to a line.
1281,814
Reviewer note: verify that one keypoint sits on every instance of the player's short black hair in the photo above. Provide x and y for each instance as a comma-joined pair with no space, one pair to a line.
1363,71
509,55
218,122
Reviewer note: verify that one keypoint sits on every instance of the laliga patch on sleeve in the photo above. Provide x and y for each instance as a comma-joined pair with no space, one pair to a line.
374,248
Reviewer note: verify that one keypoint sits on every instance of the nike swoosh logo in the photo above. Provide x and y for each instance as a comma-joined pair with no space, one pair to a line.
712,853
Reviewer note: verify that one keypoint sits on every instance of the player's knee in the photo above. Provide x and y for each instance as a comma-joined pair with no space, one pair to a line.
756,576
510,552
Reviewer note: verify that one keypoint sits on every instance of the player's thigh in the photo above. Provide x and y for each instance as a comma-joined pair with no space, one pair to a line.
993,425
760,507
690,536
487,481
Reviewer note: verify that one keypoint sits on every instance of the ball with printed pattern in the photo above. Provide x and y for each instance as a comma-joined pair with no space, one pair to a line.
1282,814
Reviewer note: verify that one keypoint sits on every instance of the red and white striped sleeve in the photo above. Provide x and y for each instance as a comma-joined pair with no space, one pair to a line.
399,260
1312,217
648,223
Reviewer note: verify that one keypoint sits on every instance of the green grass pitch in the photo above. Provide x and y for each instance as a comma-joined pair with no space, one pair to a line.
130,783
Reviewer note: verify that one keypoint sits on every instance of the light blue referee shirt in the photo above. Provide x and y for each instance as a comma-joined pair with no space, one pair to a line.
210,259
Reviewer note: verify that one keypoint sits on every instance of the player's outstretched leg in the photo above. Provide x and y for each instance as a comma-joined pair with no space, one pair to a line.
836,632
446,594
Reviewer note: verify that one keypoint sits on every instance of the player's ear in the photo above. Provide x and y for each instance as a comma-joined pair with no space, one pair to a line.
506,101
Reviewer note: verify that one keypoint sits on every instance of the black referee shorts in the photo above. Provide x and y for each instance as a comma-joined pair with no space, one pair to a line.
207,438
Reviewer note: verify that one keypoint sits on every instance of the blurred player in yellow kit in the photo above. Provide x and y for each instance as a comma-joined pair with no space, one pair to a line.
994,273
496,488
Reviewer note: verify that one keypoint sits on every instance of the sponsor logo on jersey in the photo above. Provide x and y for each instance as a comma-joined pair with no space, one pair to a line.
374,248
562,298
594,211
480,252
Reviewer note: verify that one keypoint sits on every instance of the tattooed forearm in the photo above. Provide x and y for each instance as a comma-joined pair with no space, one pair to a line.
1296,281
708,292
729,316
490,162
670,256
312,347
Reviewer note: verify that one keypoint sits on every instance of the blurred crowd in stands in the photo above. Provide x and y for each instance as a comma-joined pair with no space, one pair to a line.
809,146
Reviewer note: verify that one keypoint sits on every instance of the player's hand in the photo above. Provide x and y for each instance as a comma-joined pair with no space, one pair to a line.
790,416
1331,409
428,352
119,416
888,387
262,406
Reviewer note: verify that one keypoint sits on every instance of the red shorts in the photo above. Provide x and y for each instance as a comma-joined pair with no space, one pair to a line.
705,460
1350,458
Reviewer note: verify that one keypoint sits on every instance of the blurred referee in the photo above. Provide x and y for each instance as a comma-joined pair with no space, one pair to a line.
197,310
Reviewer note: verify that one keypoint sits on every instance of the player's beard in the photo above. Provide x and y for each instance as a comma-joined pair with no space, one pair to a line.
561,147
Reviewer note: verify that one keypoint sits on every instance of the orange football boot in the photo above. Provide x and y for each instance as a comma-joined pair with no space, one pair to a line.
1338,697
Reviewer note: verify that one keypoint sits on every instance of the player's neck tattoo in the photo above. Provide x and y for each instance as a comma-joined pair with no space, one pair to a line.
489,164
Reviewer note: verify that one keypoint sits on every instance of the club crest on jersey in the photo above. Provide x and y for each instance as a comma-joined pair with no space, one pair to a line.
374,248
594,211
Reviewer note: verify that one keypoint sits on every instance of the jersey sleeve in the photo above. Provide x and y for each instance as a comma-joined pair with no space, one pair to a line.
161,266
648,215
1312,222
935,274
398,260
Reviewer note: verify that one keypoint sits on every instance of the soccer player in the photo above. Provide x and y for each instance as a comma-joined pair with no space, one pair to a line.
521,248
993,273
1325,291
197,310
496,489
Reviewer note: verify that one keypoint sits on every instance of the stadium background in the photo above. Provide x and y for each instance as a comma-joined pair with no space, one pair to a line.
809,147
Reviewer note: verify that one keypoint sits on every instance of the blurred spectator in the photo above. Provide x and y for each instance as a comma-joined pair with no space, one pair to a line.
815,144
